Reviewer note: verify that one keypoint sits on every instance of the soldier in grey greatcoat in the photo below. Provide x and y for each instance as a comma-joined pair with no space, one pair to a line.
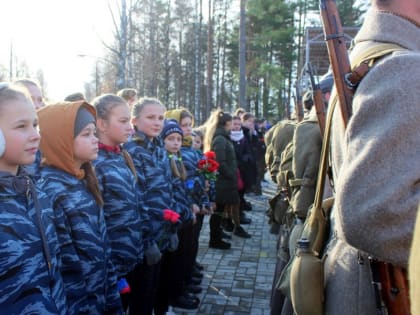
376,163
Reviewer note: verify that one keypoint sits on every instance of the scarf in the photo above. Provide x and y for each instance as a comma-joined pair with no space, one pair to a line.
236,135
109,148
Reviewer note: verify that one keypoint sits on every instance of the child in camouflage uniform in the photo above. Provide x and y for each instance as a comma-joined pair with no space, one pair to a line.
68,146
154,178
127,222
30,282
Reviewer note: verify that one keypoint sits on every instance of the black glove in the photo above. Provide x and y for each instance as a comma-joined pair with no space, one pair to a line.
173,242
153,254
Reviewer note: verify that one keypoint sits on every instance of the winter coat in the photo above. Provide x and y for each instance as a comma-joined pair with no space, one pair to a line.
126,220
89,276
27,238
227,181
154,178
376,167
246,162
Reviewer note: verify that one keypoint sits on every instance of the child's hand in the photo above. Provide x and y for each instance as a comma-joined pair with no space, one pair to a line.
212,207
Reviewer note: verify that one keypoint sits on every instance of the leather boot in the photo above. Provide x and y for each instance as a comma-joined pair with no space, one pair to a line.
216,233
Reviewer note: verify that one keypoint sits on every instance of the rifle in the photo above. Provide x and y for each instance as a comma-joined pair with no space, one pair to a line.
298,104
318,100
393,287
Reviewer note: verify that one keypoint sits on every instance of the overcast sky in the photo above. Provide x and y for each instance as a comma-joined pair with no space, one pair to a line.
50,34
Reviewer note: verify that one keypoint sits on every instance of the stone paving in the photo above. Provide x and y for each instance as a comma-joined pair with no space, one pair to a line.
238,281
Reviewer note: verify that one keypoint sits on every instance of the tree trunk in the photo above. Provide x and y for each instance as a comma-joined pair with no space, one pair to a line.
122,56
197,64
242,57
209,103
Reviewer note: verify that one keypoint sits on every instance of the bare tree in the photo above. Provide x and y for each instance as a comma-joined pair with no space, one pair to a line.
209,102
197,57
242,57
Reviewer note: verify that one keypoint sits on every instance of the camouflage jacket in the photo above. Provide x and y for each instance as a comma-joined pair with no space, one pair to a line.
30,281
154,178
181,196
89,276
197,190
126,220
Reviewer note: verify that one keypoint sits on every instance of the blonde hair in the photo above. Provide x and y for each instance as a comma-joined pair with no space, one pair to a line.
142,103
10,91
103,105
217,119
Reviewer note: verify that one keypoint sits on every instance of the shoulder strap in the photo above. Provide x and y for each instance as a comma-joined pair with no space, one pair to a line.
367,59
361,65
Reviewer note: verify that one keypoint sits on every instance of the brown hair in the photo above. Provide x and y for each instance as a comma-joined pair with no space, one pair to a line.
127,93
74,97
179,172
92,182
247,116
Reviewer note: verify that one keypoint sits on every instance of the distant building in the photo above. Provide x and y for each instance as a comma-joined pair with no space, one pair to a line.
314,48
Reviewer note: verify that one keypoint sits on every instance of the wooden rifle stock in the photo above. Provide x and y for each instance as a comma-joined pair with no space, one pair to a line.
299,105
394,287
318,100
337,52
320,109
394,284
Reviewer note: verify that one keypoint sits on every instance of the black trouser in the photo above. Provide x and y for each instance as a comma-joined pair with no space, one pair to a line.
143,282
175,266
196,240
215,221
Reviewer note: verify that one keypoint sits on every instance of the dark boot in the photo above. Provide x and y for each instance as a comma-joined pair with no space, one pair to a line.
219,244
216,233
239,231
226,236
227,224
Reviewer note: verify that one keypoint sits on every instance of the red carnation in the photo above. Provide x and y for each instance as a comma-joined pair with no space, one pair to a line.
202,164
170,215
210,155
213,166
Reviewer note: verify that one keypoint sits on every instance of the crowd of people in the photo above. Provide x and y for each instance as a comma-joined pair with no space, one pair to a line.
103,201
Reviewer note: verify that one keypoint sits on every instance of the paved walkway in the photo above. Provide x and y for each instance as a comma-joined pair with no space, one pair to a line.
238,281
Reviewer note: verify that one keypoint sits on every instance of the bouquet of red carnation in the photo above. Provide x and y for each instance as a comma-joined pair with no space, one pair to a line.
208,166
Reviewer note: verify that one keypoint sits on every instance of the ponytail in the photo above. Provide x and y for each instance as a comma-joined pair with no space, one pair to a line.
177,171
129,162
92,183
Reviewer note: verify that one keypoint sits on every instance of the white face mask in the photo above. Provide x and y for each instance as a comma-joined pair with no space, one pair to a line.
2,143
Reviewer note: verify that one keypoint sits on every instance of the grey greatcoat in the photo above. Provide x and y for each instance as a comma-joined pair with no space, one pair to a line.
376,164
